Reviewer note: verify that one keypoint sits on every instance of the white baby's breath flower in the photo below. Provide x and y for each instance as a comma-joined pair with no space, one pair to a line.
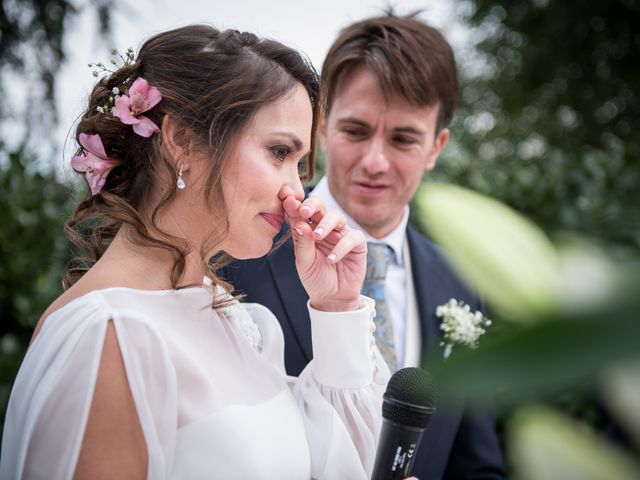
460,325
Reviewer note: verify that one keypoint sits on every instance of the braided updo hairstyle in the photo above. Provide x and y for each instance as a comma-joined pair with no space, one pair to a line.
212,83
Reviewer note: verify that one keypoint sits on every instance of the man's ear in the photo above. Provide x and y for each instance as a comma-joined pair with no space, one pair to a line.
438,144
174,140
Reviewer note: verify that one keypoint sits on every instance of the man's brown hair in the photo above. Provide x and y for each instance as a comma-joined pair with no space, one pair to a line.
409,58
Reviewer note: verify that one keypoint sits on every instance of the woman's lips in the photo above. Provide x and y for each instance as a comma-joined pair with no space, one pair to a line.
274,219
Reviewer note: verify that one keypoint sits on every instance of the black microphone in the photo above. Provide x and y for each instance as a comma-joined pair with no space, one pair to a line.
407,406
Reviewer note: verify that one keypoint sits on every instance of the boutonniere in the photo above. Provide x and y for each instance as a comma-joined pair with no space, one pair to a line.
460,325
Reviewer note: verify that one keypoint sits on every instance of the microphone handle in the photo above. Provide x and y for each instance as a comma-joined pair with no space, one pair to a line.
396,450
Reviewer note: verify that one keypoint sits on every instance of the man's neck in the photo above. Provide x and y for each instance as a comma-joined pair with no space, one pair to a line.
394,239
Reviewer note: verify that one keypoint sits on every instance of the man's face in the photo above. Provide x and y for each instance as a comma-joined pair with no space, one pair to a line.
377,151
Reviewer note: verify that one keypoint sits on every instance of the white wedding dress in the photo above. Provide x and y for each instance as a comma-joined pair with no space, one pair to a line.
209,387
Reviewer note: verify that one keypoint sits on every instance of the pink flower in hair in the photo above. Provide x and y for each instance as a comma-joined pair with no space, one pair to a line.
93,161
128,108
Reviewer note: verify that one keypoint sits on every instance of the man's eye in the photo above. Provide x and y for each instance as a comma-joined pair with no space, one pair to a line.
354,132
404,140
280,151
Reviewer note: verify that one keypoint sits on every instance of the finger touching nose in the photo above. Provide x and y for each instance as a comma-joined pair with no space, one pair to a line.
292,188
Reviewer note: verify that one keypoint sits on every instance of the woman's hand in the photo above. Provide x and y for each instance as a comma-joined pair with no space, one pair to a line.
331,258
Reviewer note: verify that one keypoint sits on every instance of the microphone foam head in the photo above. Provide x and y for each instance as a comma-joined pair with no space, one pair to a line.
409,398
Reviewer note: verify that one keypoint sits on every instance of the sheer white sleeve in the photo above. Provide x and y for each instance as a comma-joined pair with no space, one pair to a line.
52,394
340,392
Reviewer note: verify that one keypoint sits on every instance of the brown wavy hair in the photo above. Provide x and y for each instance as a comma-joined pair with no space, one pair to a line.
212,83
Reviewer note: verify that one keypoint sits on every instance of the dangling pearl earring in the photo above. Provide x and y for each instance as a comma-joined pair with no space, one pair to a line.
180,182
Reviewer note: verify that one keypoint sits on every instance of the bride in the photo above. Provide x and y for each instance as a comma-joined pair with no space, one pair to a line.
142,369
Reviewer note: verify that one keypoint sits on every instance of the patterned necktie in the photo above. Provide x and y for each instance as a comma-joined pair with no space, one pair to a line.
378,258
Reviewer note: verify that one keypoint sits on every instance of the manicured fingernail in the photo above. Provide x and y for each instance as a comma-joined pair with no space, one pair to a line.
319,231
306,209
331,257
298,231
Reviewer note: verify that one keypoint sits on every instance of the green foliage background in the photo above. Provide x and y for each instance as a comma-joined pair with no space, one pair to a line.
34,202
33,205
546,124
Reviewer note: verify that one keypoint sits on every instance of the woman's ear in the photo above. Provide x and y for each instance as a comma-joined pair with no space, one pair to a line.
174,140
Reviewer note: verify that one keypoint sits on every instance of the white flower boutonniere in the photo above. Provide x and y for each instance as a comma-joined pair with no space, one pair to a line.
460,325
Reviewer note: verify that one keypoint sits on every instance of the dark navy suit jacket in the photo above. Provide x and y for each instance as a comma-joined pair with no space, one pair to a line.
457,445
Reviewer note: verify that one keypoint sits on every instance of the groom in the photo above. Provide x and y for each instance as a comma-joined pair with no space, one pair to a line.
389,88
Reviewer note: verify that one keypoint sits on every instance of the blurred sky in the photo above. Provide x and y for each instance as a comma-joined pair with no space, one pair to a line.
309,26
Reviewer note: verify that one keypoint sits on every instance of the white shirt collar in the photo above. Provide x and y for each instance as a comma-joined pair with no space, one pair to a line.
395,239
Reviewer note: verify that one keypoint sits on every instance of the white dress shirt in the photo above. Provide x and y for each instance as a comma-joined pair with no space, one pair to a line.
398,288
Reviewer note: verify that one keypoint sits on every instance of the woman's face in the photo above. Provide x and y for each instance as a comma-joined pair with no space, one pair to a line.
263,171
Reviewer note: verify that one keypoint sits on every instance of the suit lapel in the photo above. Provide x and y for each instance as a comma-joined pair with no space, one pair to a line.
440,436
292,295
424,282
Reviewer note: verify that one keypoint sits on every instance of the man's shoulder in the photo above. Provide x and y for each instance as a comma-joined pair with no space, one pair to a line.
431,260
419,242
258,274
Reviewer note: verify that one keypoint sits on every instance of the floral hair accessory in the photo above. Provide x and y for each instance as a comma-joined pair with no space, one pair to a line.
117,58
460,325
93,162
128,108
126,60
141,97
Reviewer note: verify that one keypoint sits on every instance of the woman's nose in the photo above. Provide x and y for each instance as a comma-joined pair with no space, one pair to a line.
292,187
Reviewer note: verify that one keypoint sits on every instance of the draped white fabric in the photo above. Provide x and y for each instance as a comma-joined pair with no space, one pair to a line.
209,387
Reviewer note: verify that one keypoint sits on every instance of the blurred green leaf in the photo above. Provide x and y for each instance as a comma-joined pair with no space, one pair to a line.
501,253
589,275
621,392
549,446
552,355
